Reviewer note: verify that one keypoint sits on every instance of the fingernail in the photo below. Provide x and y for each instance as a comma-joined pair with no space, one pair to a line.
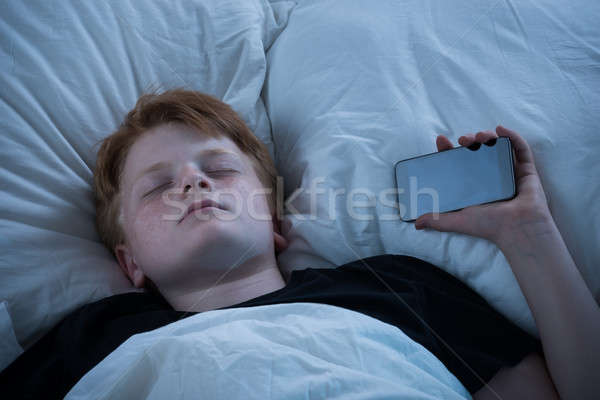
490,142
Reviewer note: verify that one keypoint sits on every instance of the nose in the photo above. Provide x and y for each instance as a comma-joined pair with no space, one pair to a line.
194,179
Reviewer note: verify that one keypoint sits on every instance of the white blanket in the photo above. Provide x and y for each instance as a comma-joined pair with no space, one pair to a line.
283,351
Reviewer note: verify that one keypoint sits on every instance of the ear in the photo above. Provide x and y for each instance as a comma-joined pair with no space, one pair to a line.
280,241
129,266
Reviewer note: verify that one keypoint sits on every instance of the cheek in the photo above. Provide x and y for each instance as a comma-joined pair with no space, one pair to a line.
242,199
261,206
256,203
149,225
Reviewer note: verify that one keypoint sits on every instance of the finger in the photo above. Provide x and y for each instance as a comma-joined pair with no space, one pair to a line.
522,150
485,136
446,222
443,143
466,140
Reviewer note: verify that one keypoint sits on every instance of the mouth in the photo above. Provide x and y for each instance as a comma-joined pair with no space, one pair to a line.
199,205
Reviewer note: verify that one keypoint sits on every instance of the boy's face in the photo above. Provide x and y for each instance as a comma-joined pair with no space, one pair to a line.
184,253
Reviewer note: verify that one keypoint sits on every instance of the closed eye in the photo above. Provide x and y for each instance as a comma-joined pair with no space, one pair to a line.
156,188
222,171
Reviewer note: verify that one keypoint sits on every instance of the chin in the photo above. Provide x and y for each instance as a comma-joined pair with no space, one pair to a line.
230,250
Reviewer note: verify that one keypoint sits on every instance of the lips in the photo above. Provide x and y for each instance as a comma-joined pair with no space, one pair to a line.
197,205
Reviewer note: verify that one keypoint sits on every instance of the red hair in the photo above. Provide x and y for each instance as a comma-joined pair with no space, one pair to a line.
208,114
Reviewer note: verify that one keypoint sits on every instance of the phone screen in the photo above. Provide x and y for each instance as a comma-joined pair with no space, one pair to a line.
454,179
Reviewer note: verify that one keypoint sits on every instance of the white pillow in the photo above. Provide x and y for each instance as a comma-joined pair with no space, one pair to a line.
70,72
355,86
9,346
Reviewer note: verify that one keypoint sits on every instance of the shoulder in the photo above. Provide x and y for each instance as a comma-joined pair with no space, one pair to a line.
385,269
365,269
124,303
384,262
83,338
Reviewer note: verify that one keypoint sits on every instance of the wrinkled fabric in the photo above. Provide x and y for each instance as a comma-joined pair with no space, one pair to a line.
355,86
9,346
283,351
71,70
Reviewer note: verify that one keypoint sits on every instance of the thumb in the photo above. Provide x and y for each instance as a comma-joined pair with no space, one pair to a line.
446,222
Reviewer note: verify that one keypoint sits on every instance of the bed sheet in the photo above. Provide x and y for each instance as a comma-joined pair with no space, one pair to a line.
354,86
70,72
282,351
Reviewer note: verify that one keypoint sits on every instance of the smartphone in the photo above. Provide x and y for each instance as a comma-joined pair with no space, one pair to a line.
454,179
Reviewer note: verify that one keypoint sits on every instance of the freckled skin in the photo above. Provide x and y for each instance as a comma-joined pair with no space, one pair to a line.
195,252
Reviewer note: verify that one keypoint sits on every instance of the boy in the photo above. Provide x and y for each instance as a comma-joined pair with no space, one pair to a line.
183,200
198,263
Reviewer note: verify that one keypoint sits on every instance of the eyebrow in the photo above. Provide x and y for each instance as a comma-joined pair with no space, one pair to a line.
164,164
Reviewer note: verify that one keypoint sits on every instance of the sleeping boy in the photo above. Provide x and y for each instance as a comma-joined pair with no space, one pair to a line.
187,201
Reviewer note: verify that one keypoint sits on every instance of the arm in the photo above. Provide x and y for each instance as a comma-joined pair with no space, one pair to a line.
564,310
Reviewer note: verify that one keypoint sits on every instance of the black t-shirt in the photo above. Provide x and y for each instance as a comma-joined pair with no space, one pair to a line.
429,305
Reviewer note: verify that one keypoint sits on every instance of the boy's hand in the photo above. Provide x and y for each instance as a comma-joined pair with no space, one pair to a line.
496,221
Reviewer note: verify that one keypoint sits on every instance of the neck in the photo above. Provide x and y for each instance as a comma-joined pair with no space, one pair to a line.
230,290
